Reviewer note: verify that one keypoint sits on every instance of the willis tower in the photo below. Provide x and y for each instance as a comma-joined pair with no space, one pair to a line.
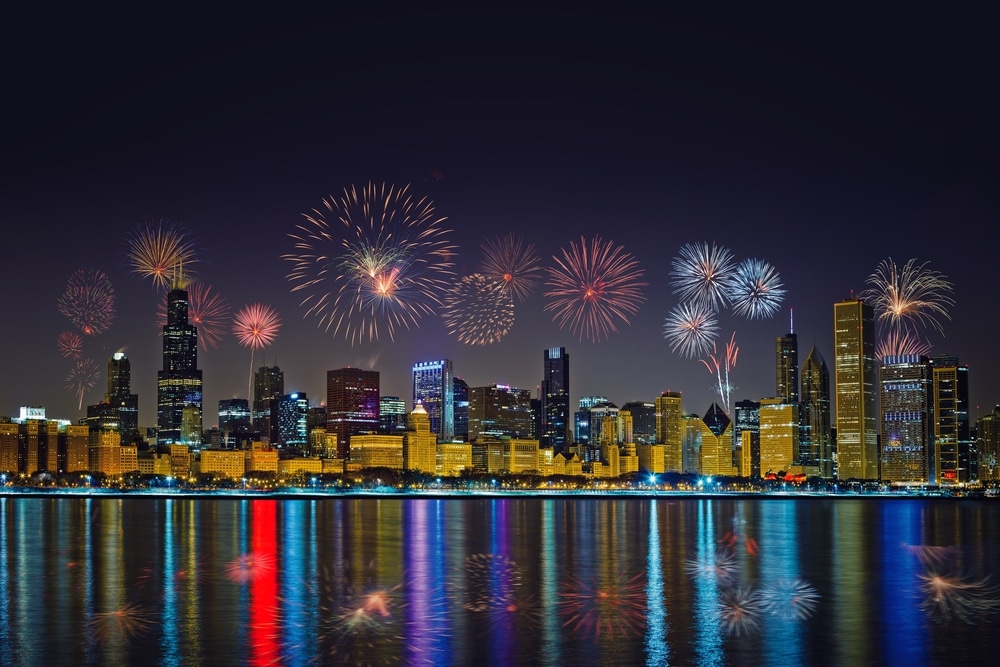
178,386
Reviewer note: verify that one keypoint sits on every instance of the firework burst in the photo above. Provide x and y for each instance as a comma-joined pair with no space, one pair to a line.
720,566
740,610
593,286
947,596
374,260
360,629
89,301
127,623
899,342
703,273
256,325
208,311
491,581
509,260
719,366
82,376
913,294
478,310
755,290
617,607
691,329
70,345
794,599
156,250
250,566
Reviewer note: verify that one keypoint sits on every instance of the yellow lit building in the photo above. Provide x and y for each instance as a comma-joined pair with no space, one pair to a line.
8,447
296,466
77,440
651,458
229,463
670,430
180,461
261,458
419,443
779,435
452,458
374,450
715,455
856,375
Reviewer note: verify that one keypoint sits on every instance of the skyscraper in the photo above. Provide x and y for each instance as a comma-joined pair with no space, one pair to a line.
268,387
290,417
462,409
643,421
554,395
786,364
905,405
498,410
746,436
988,446
179,384
391,414
953,463
670,429
120,396
856,374
816,438
352,405
434,388
234,422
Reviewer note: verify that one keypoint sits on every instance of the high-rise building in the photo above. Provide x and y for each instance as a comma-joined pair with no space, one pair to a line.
121,397
268,387
554,394
434,388
856,373
352,405
779,435
499,409
419,443
602,417
815,438
179,384
391,414
905,405
746,436
670,429
786,364
643,421
290,417
235,422
461,394
953,462
988,446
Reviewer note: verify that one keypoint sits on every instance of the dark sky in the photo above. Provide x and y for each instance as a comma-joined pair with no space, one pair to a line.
823,144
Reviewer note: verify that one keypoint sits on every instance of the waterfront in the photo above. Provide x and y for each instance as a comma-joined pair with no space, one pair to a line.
497,580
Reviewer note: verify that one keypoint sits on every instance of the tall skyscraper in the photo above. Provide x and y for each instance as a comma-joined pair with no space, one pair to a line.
746,436
554,394
434,388
816,438
786,364
234,422
953,462
290,417
856,374
391,414
779,435
268,387
670,429
179,384
499,410
461,394
352,405
643,421
120,396
905,405
988,446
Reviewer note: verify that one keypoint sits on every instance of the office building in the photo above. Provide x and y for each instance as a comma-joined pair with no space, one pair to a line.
554,395
121,397
419,443
499,409
905,406
434,388
268,387
856,381
786,354
352,405
953,462
988,446
746,437
391,414
779,435
235,423
816,438
179,384
461,398
670,429
290,412
643,421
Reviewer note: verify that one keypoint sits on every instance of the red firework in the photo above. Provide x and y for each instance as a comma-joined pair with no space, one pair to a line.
70,345
89,301
249,566
207,311
158,249
508,260
593,286
256,325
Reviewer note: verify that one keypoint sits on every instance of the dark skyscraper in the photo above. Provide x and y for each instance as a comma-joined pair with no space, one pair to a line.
816,438
234,422
643,421
953,460
290,420
352,405
461,409
554,395
179,385
268,387
786,365
120,396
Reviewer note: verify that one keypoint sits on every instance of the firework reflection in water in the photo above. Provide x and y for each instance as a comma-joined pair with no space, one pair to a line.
741,610
721,566
490,582
127,623
947,596
363,627
793,599
615,608
249,566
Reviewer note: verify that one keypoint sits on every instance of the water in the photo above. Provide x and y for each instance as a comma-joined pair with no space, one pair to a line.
497,581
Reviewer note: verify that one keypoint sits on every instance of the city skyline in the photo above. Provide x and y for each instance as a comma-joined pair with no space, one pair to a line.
569,141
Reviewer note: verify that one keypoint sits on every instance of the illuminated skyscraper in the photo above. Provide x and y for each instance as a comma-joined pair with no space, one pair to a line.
953,462
391,414
461,394
786,363
779,435
290,417
746,436
816,438
434,388
554,394
988,446
179,384
234,422
670,429
352,405
856,373
499,409
268,387
905,404
121,397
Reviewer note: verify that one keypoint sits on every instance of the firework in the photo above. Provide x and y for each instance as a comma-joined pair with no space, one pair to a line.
755,290
479,310
593,286
703,273
256,325
508,260
127,623
617,607
70,345
360,629
947,596
490,582
207,311
740,610
899,342
913,294
249,566
719,366
691,329
89,301
794,599
374,260
157,250
82,376
720,566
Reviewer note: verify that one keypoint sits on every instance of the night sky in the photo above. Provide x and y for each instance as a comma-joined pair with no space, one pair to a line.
822,144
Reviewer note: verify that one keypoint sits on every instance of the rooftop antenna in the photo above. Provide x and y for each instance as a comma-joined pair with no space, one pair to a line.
791,320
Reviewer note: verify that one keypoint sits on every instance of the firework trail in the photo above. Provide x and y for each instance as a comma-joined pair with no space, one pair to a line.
755,290
795,599
70,345
719,366
703,273
947,596
720,567
899,342
89,301
82,376
740,610
207,311
592,286
508,260
478,310
375,259
691,329
156,250
615,608
255,325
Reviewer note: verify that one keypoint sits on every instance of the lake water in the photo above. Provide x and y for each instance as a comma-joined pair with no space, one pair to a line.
498,581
